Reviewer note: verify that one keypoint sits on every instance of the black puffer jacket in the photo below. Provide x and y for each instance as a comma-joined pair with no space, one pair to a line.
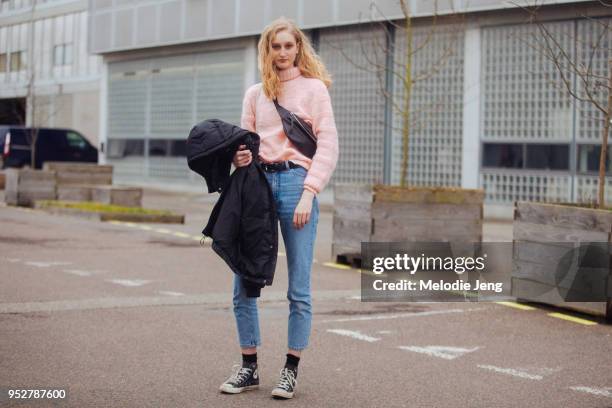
243,223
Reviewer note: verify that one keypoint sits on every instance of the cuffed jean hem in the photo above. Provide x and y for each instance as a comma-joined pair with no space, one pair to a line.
297,348
256,344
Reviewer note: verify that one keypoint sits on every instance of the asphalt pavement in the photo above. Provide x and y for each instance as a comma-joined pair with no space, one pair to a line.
130,315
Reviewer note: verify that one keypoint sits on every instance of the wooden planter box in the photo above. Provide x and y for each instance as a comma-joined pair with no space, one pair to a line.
71,173
124,196
382,213
544,237
24,186
2,180
74,192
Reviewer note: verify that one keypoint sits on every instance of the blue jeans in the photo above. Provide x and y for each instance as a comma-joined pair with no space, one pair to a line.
287,187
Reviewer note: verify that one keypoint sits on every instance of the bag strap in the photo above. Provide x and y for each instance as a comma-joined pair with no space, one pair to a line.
279,108
293,118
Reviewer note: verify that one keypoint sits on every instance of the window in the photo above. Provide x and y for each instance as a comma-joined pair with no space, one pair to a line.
504,155
3,61
68,54
58,55
526,156
588,159
178,148
17,61
118,148
167,148
62,54
51,140
547,157
158,147
76,141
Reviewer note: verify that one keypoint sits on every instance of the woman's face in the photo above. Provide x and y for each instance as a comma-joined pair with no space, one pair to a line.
283,50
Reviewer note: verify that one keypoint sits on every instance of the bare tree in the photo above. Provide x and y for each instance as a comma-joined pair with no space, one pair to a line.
578,76
31,94
39,111
404,72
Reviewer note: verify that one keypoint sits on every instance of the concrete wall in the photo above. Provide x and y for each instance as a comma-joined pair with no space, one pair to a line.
128,25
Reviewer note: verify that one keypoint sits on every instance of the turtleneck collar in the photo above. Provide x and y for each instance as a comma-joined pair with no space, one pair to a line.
289,74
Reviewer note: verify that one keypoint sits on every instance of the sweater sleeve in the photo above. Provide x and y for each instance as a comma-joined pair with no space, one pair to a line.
326,157
247,119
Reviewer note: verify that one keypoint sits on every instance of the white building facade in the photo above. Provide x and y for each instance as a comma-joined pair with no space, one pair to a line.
48,77
489,117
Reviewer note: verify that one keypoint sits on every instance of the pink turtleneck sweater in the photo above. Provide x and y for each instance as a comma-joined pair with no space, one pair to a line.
309,99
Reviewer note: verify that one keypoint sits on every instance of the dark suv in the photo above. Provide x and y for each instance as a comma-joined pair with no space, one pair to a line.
51,145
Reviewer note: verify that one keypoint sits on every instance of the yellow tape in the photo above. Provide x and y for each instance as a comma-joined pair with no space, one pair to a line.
516,305
573,319
336,265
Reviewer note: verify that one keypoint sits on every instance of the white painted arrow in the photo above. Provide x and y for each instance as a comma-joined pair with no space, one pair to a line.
129,282
46,264
602,392
447,353
354,334
170,293
530,373
79,272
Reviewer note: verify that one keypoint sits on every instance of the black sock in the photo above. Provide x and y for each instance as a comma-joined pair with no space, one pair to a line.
248,359
292,362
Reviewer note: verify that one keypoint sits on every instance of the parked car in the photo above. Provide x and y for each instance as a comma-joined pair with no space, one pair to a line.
51,145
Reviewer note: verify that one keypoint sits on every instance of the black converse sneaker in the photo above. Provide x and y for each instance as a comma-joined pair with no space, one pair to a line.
242,379
286,385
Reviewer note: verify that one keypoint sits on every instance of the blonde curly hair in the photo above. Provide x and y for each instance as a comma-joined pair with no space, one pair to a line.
306,60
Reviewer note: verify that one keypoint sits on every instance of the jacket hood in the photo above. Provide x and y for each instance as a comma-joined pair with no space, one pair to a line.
211,146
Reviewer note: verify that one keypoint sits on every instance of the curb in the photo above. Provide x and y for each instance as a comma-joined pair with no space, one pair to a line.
146,218
141,218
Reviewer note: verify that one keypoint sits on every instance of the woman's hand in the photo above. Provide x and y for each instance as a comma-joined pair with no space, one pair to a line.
301,216
242,157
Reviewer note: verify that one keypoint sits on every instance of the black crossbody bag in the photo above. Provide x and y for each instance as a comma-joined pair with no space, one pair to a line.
298,131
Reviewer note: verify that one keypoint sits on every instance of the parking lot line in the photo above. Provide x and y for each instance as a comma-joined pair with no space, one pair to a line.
511,371
354,334
516,305
603,392
396,316
336,265
573,319
445,352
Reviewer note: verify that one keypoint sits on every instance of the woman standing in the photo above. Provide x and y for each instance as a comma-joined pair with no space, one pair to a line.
293,74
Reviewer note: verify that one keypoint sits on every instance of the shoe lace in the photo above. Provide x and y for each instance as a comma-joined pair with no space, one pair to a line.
239,374
287,379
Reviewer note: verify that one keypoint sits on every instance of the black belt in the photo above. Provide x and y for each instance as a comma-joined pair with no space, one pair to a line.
279,166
